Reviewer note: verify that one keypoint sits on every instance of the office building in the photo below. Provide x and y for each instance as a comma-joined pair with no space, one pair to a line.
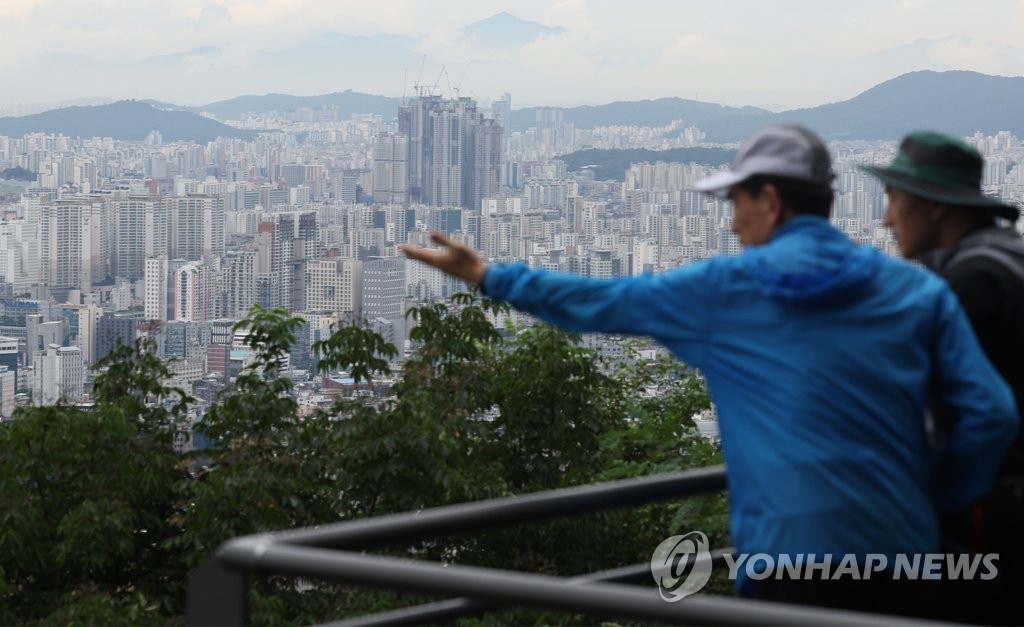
113,329
334,285
58,375
384,297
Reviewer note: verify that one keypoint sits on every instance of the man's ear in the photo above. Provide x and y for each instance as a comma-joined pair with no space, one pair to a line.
772,200
937,210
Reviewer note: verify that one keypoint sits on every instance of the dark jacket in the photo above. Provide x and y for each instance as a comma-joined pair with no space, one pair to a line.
985,269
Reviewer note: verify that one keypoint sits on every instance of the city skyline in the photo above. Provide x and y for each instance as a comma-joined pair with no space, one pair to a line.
777,54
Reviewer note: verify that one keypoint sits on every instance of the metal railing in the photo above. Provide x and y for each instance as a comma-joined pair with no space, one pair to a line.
218,590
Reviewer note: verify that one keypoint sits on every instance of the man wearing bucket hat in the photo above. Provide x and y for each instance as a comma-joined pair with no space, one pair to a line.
940,217
819,355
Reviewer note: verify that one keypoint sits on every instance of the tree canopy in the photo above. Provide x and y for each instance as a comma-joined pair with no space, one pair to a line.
100,522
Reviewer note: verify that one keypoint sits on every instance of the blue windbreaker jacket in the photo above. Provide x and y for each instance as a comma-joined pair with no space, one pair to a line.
820,355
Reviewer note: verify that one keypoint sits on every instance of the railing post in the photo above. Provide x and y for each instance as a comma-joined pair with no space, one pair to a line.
217,596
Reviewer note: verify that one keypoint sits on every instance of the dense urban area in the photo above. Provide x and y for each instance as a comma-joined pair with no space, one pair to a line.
109,241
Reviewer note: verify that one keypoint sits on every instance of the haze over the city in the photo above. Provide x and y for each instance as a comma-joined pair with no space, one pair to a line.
775,54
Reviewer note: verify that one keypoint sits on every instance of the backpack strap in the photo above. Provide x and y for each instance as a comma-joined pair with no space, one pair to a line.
1005,249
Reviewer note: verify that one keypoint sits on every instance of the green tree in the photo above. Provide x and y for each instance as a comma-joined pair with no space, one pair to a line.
85,494
422,449
554,403
272,469
473,416
100,523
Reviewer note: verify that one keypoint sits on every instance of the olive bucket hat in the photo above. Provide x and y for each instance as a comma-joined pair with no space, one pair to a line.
943,169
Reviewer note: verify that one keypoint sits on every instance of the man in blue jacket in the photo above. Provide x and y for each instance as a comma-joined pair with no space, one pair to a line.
820,356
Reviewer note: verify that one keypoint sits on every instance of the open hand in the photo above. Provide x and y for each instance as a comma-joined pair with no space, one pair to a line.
458,260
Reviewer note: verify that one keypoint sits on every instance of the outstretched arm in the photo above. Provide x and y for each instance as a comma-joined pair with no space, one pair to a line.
459,261
674,308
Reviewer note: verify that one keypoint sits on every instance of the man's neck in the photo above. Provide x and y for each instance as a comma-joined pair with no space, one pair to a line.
952,231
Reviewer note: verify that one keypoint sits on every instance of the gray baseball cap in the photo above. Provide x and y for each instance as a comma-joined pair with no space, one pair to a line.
785,150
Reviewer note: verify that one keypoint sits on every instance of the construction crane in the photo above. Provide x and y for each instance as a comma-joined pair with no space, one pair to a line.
417,86
461,78
433,89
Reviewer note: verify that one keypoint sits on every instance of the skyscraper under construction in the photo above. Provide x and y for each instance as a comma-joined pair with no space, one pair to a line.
454,156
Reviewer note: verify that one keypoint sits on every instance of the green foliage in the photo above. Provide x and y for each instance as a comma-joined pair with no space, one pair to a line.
611,164
554,404
131,383
351,347
259,405
272,470
17,173
101,523
85,496
451,338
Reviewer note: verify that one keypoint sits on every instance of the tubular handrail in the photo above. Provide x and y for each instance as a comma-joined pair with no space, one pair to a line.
465,606
512,588
501,512
217,593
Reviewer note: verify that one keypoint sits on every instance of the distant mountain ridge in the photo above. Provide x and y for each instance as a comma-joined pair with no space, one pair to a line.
714,119
129,120
508,31
347,103
956,102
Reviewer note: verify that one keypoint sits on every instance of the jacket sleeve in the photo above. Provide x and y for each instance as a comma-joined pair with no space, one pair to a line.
674,308
986,419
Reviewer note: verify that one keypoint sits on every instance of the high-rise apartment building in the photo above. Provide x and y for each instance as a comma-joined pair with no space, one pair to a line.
415,121
346,186
9,354
454,152
19,254
390,168
292,238
84,334
501,110
140,233
237,284
196,227
451,156
487,162
74,244
7,391
155,288
191,292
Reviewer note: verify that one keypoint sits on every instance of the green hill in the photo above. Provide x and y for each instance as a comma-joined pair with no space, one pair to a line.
129,120
612,164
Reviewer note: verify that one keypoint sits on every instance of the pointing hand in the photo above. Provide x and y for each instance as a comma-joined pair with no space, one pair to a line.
458,260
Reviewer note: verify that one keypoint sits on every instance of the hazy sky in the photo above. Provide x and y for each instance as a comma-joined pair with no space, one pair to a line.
770,53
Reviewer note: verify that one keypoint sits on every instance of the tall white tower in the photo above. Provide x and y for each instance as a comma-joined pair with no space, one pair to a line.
155,297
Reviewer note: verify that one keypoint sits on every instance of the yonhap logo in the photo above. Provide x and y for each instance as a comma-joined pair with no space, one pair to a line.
681,565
